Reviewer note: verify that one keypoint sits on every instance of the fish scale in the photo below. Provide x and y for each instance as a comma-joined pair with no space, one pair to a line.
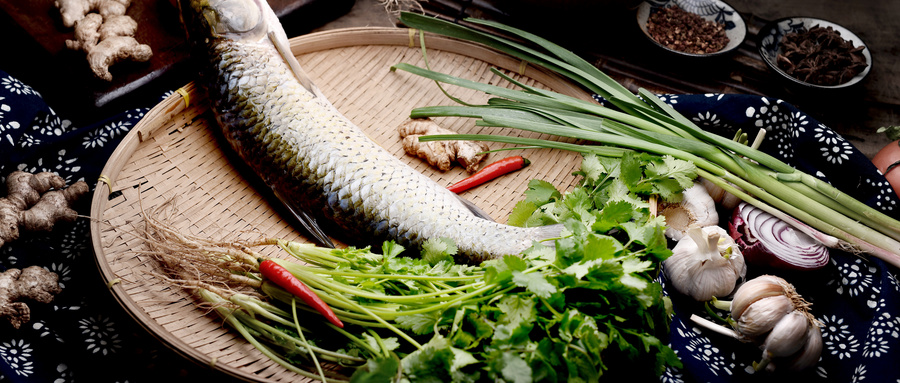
315,158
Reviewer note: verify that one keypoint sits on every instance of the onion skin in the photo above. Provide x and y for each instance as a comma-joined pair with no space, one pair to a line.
766,240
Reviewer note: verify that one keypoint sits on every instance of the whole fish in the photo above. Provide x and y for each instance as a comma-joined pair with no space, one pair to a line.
318,163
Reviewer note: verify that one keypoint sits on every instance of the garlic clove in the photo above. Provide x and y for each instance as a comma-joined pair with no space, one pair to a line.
753,290
763,315
788,336
809,355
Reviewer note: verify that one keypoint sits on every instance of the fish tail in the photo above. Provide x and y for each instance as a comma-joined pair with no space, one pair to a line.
547,235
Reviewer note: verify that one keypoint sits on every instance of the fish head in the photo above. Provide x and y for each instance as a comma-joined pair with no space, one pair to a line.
207,21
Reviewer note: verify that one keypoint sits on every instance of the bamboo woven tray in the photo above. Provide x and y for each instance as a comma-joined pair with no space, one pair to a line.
174,152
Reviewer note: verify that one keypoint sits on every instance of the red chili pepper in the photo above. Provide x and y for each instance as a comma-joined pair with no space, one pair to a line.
489,172
282,277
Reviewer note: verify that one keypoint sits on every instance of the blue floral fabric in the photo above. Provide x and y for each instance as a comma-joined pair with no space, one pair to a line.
85,336
857,299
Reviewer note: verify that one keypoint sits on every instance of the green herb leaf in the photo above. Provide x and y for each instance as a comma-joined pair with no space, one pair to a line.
431,364
535,283
436,250
419,324
383,369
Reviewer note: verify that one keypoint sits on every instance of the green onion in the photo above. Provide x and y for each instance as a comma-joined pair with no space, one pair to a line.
647,124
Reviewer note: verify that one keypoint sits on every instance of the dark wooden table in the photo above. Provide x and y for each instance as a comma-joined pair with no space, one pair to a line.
605,33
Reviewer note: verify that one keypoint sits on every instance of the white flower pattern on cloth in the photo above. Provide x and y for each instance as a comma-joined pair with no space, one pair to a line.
835,148
83,327
17,354
839,342
100,335
857,277
14,86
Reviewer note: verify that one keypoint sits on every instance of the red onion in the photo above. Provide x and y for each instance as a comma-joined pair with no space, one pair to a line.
769,241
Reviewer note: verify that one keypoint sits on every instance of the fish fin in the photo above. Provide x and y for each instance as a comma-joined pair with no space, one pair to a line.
308,221
475,209
285,51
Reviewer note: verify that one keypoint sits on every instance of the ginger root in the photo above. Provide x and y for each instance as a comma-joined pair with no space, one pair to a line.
74,10
87,33
35,202
32,282
106,37
440,154
113,50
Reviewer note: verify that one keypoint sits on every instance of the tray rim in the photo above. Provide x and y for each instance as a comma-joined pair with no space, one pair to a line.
192,94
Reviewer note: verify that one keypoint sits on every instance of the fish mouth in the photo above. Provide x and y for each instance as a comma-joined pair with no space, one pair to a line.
227,17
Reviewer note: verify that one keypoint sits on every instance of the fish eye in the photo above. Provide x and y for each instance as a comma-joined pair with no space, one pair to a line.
232,16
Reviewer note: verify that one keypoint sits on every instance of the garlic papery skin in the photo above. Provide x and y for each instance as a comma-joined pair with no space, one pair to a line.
753,290
763,315
696,208
705,264
809,355
720,196
788,336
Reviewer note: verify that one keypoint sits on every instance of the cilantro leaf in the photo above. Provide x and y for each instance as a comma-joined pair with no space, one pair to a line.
521,213
535,283
431,364
419,324
671,175
436,250
382,369
541,192
516,310
514,369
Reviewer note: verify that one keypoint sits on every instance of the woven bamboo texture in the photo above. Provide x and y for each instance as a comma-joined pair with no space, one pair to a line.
174,154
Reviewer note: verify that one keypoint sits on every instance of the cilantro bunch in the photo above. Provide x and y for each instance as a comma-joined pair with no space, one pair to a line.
586,309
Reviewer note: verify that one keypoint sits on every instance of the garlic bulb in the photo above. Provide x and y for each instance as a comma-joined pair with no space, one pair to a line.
705,264
696,208
768,311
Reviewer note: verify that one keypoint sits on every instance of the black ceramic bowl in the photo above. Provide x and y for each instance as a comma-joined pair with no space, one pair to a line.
712,10
769,43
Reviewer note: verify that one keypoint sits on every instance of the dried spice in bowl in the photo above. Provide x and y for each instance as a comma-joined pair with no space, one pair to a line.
683,31
819,55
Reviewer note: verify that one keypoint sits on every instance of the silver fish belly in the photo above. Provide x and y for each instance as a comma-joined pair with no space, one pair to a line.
318,160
